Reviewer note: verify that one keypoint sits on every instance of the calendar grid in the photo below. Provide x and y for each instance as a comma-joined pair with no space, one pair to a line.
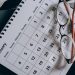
33,41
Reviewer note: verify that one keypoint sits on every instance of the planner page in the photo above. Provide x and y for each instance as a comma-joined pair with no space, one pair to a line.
27,47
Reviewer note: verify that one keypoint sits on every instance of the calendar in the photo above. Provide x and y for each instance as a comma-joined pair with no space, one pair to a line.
27,48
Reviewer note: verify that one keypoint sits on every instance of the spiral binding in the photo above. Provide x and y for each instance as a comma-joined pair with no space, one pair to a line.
11,19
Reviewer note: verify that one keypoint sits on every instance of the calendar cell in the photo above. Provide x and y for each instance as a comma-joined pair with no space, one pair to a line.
25,53
41,12
12,58
56,49
56,26
47,4
27,67
35,71
49,30
56,33
35,22
23,40
50,44
37,35
57,37
44,40
40,63
43,73
43,26
19,62
46,54
38,49
31,44
18,49
54,59
33,58
48,68
59,51
48,17
29,31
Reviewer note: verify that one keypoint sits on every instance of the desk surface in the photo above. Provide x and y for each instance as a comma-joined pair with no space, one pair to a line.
6,11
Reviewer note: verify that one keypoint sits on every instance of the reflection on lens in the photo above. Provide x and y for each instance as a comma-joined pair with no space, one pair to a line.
62,14
61,19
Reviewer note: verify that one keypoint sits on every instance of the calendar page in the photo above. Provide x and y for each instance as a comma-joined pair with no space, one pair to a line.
27,48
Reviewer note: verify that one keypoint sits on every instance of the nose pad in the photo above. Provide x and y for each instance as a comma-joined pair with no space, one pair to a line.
64,30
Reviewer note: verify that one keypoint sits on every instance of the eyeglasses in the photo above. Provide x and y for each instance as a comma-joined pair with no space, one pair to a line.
66,24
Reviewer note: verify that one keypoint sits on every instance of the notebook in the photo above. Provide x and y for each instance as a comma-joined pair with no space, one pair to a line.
25,47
